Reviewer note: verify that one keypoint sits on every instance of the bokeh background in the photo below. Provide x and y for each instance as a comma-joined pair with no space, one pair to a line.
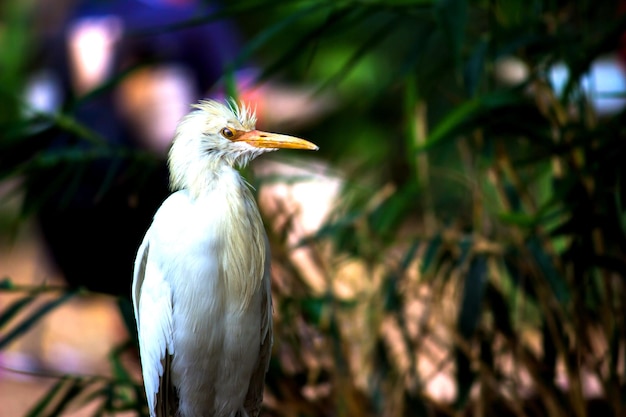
457,247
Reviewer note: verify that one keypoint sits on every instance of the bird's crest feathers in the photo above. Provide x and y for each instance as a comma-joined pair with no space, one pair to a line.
240,111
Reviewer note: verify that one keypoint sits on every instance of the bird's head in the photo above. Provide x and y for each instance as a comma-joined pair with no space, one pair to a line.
215,134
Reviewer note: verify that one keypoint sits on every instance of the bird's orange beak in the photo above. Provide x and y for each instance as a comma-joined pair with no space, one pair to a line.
261,139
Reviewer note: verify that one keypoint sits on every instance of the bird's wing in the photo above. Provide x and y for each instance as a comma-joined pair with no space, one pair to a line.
254,396
152,301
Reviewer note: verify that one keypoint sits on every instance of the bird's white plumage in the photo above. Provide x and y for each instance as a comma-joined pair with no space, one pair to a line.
211,328
157,333
201,288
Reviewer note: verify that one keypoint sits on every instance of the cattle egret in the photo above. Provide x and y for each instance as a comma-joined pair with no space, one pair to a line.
201,288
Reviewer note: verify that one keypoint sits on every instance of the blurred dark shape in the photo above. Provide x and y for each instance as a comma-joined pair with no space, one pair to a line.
93,213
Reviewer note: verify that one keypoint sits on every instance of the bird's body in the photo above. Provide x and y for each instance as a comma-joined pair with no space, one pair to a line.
201,289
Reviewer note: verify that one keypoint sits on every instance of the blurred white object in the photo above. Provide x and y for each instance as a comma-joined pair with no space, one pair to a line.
511,70
300,198
91,45
604,85
42,93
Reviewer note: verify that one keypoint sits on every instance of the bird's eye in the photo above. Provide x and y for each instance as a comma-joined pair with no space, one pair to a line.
227,133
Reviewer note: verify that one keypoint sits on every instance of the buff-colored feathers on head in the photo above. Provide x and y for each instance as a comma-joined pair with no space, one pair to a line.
198,147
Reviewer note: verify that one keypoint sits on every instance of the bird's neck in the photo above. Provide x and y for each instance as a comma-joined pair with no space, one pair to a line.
240,227
203,179
243,259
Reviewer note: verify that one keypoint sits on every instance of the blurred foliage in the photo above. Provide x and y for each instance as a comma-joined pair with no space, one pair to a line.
481,227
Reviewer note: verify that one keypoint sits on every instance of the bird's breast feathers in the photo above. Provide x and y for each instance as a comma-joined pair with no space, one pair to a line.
216,311
217,236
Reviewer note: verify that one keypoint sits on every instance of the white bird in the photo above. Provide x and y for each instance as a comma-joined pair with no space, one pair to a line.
201,287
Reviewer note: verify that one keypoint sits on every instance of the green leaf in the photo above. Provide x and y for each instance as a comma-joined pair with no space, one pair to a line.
460,119
499,304
337,18
549,271
513,13
518,219
474,69
58,397
33,318
465,377
41,405
314,307
452,17
388,215
266,35
473,296
15,307
467,322
377,36
410,254
74,389
431,251
550,353
119,371
392,300
128,315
